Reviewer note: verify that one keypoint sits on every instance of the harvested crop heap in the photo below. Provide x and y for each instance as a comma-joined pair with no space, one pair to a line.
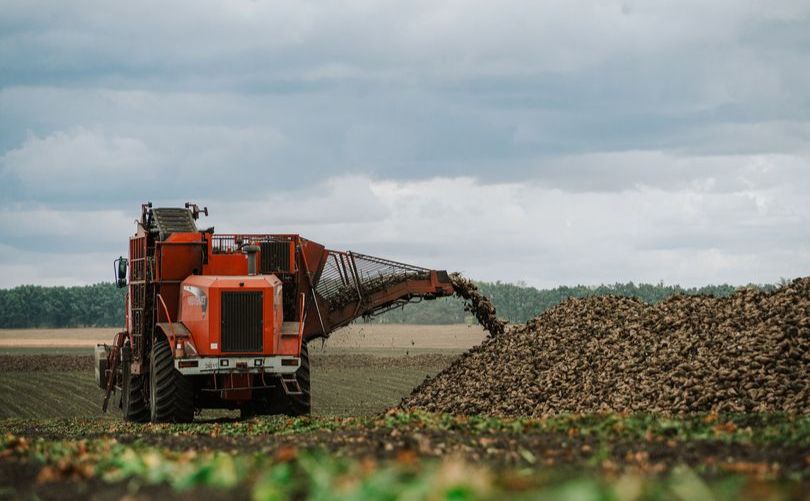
477,304
747,352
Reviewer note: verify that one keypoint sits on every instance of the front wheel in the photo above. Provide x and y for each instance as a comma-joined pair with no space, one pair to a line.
171,395
133,395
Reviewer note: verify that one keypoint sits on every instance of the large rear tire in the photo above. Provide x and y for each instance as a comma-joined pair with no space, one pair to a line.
171,395
133,396
271,401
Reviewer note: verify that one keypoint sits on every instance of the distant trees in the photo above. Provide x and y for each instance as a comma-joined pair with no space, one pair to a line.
98,305
519,303
102,304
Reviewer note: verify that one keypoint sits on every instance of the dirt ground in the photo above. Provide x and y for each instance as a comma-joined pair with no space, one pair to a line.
58,446
399,337
54,338
343,383
363,336
362,369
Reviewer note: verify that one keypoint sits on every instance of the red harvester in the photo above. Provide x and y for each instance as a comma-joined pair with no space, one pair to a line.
223,320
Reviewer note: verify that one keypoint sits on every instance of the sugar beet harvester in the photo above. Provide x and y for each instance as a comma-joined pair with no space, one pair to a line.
223,320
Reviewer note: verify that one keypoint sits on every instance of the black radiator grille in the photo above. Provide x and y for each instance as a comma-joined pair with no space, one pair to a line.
275,257
242,322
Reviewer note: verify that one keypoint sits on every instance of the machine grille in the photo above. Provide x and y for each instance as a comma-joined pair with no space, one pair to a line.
275,256
242,322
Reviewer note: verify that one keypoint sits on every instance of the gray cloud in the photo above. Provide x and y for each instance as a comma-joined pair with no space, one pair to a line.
291,116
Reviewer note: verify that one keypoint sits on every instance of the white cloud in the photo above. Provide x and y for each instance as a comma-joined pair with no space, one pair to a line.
508,231
87,166
547,237
41,267
337,203
555,142
78,161
91,226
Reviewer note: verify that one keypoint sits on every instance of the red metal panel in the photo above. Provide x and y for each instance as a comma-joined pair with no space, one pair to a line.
226,264
176,258
204,323
179,256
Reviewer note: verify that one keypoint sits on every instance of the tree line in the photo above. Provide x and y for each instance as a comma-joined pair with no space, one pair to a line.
518,303
102,304
29,306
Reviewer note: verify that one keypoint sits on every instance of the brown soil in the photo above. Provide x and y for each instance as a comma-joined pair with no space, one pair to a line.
46,363
747,352
371,361
53,338
359,336
399,338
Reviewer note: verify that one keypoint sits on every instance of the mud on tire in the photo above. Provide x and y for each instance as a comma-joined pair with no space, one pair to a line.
171,394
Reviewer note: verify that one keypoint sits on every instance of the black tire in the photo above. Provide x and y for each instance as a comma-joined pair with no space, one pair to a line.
274,401
133,396
171,395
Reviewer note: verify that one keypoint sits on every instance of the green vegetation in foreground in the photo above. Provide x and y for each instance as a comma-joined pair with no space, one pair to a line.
101,305
294,475
729,428
81,449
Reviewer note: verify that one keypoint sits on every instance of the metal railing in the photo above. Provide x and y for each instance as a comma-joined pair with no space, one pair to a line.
229,244
348,276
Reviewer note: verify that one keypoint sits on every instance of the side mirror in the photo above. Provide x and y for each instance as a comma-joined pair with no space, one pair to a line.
120,267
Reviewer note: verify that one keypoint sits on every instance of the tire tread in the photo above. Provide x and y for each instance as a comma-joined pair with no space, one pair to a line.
173,393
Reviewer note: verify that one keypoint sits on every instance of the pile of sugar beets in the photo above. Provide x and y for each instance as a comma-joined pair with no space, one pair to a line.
749,352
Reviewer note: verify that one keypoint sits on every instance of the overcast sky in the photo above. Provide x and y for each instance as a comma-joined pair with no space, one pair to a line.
554,142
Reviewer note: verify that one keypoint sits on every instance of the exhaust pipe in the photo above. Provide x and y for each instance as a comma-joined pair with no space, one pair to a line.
250,250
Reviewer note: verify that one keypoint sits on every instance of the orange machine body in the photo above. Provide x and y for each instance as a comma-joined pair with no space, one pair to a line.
178,279
237,309
201,313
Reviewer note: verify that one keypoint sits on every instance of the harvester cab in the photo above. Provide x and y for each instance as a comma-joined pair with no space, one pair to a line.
223,320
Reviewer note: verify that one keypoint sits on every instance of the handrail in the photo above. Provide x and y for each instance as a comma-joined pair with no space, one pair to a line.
350,277
308,274
301,310
168,317
224,243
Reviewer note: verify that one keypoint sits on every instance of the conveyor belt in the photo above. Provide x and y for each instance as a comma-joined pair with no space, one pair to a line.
170,220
